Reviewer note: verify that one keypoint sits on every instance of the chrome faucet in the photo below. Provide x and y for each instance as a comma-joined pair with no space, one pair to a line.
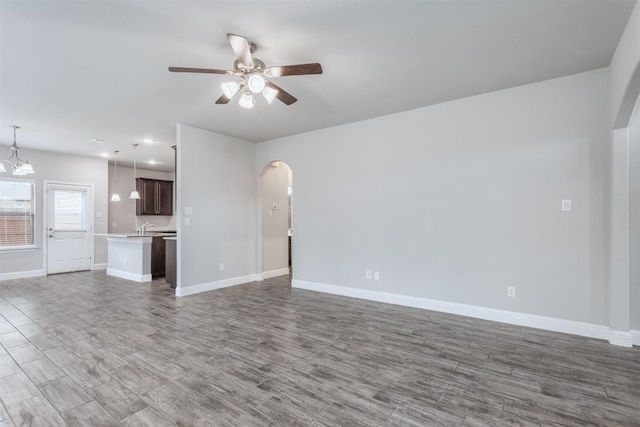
143,228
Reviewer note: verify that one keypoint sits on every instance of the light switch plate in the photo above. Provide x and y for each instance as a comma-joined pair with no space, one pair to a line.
566,205
188,210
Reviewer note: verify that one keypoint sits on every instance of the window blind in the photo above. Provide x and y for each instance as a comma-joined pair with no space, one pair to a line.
69,210
16,213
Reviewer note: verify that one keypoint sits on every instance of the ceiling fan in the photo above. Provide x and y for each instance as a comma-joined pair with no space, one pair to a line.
254,76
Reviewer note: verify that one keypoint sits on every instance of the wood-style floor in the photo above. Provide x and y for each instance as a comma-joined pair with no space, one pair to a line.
91,350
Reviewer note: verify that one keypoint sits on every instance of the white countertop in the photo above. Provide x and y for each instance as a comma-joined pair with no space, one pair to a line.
128,235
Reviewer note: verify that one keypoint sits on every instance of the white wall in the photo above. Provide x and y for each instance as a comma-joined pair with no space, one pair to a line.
61,168
275,222
216,179
122,214
455,202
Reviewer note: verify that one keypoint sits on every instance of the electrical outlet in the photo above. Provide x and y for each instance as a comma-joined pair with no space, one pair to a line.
368,274
511,291
221,266
376,276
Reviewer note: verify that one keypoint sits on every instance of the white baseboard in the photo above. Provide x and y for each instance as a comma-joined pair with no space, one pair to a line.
274,273
635,337
522,319
22,274
129,276
102,266
210,286
621,338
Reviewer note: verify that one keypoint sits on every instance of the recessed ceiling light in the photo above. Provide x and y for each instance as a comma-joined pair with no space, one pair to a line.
98,141
149,140
152,162
104,154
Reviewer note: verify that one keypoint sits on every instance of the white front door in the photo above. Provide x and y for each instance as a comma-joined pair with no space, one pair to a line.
69,228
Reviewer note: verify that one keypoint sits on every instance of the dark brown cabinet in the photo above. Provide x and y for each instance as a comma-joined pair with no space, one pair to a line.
158,257
170,262
156,197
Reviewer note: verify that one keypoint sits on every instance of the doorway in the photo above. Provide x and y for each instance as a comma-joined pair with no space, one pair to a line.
277,219
68,227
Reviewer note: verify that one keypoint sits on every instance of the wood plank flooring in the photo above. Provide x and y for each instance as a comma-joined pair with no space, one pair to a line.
85,349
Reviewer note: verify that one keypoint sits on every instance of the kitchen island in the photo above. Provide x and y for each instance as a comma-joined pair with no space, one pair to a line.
129,255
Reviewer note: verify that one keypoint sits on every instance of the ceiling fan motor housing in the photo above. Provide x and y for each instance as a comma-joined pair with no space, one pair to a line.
239,67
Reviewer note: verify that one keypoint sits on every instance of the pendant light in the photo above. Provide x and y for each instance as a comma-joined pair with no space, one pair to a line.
115,197
134,193
19,166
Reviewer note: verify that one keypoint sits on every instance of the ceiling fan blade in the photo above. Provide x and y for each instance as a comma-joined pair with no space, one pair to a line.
294,70
282,95
199,70
223,100
241,48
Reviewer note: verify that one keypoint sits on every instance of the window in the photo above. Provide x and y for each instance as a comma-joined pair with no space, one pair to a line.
17,213
69,210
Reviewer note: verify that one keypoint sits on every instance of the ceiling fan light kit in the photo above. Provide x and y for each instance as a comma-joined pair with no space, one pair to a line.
231,88
254,75
269,94
255,83
247,100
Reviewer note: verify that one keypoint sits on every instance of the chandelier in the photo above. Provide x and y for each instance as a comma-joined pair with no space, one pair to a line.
16,164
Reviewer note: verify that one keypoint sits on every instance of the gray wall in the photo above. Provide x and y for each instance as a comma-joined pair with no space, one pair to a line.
216,179
62,168
457,201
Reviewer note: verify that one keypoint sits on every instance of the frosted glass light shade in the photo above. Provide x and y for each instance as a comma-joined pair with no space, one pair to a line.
115,197
17,170
269,94
255,83
26,168
134,195
247,101
230,88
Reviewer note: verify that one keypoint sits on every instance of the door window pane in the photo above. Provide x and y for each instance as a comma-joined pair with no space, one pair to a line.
69,210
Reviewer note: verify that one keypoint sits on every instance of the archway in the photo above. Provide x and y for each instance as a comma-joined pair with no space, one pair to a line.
276,185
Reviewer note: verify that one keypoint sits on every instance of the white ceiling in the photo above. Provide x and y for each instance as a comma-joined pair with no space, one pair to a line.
72,71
